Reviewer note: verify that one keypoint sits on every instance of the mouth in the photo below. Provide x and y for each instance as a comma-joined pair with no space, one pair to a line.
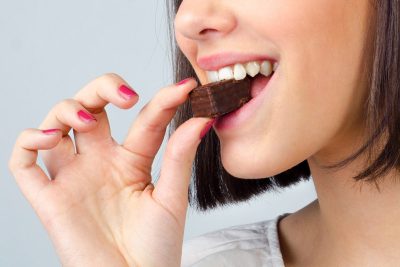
256,70
260,74
239,71
260,86
226,66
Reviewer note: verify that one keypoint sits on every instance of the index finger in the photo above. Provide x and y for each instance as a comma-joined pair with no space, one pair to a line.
147,132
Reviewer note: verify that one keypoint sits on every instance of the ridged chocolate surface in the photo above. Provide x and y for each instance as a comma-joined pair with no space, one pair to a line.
219,98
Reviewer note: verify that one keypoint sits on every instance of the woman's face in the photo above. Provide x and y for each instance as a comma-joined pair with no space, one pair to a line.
311,108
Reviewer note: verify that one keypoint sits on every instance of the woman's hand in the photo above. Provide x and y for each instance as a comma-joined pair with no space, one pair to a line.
99,205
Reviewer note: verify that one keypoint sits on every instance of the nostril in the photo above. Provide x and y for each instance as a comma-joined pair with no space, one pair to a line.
206,31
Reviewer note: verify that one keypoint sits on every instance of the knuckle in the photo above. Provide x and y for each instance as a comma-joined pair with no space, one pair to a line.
23,133
65,104
152,127
110,78
159,100
148,126
65,108
23,136
176,153
143,110
16,168
13,165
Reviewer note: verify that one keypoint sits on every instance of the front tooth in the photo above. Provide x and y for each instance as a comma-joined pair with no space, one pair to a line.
239,72
253,68
266,68
212,76
225,73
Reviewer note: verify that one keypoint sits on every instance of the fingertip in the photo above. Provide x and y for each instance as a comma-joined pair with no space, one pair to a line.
128,94
51,138
200,120
29,142
127,103
206,128
185,81
51,131
188,83
86,117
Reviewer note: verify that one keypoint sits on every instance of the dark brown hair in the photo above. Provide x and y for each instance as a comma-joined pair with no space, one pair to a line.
213,186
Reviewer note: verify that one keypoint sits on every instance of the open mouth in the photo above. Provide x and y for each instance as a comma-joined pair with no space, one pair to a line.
257,71
239,71
258,83
260,73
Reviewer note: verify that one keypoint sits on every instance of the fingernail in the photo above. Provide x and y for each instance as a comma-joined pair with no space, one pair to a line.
206,128
51,131
86,117
184,81
127,92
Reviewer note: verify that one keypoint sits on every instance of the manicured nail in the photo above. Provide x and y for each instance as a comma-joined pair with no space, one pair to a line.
127,92
86,117
207,128
51,131
184,81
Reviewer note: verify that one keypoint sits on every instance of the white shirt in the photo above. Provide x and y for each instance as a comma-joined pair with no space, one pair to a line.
250,245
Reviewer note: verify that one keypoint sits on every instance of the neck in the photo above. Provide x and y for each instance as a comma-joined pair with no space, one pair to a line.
357,221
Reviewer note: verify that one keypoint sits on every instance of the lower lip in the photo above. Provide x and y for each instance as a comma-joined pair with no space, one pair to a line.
236,118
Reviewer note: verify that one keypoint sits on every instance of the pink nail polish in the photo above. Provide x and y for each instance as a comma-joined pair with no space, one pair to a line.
207,128
184,81
127,92
86,117
51,131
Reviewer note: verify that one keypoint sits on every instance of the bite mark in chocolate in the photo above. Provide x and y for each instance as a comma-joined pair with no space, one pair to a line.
218,98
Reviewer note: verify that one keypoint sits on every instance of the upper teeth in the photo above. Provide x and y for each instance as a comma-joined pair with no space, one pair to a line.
239,71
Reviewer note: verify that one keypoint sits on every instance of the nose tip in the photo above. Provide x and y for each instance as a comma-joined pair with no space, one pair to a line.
203,20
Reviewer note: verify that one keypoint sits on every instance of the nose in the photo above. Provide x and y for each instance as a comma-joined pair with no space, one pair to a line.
204,19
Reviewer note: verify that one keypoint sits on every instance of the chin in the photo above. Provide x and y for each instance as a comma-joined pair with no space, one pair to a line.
245,168
257,163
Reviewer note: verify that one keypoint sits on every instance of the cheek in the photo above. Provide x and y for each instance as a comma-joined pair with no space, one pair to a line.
316,94
189,49
321,55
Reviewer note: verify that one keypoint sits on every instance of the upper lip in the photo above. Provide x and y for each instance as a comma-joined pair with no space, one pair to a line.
220,60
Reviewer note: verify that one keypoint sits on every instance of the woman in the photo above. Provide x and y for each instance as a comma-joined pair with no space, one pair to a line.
329,110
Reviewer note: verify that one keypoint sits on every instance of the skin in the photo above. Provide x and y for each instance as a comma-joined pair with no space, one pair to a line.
101,197
314,106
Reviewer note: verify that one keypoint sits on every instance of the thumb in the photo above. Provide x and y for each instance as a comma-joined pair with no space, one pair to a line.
172,187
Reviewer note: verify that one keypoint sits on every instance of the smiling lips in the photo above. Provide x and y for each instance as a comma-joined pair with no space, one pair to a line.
236,65
232,68
239,71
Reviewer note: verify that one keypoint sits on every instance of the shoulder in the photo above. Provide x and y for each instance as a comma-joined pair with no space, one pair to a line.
255,244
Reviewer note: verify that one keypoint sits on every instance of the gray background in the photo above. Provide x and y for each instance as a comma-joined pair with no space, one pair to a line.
48,51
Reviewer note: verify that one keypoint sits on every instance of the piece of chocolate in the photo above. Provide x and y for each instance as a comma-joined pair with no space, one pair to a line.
218,98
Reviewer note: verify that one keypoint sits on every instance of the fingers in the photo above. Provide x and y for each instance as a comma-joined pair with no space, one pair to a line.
68,113
29,176
109,88
85,110
86,115
172,187
148,130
